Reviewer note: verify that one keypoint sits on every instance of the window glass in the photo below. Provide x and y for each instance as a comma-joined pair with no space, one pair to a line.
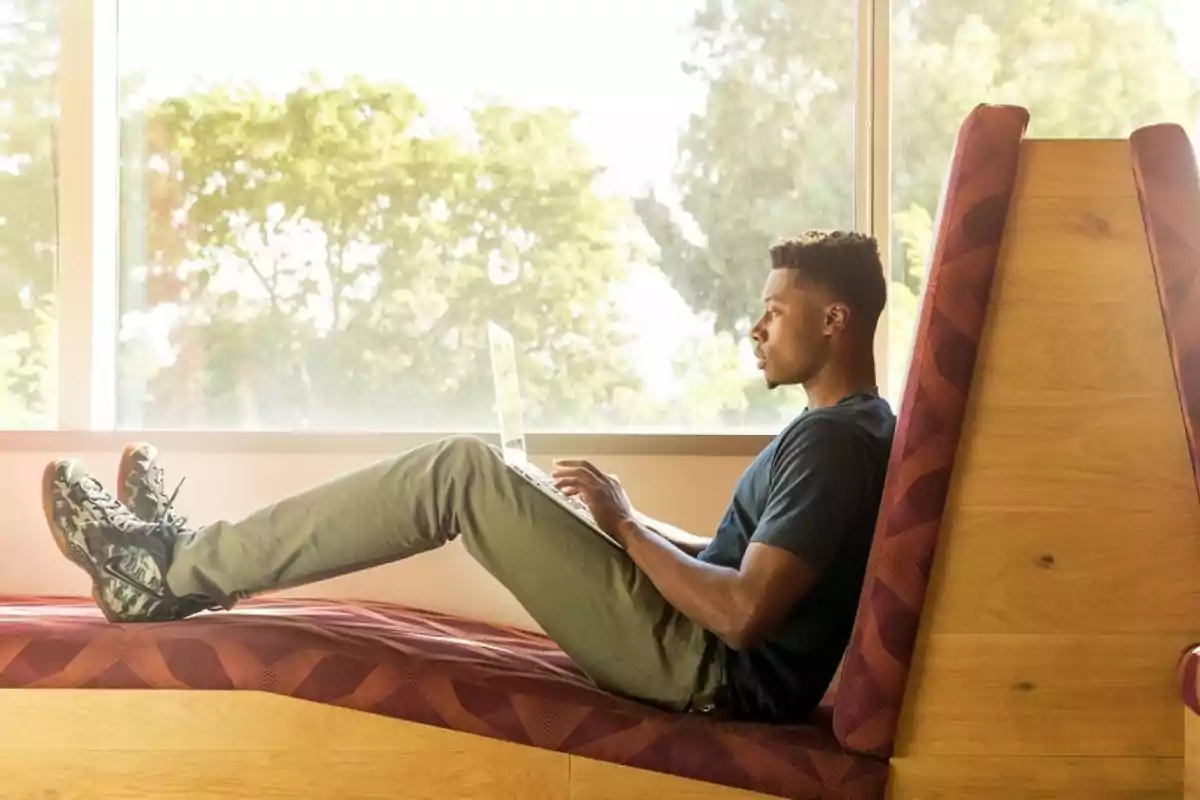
29,48
1083,68
324,204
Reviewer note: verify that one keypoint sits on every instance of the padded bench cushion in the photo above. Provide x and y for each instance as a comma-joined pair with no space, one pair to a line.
419,666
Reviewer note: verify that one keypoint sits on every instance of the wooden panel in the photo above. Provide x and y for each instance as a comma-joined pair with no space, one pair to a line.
164,744
1064,587
1191,755
599,780
1098,236
200,774
187,744
1044,695
1049,778
1074,450
1054,338
1075,168
1067,570
175,720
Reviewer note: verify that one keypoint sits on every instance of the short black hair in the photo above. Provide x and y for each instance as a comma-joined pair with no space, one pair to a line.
844,262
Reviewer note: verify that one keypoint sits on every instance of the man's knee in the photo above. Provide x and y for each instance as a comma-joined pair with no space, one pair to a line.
469,451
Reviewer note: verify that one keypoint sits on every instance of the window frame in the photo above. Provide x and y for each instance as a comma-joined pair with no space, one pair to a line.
88,280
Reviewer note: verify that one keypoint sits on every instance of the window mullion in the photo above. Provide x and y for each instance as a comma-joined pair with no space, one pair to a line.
74,280
87,175
881,128
872,169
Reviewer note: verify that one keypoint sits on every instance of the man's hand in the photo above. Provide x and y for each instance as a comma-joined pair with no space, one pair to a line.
604,495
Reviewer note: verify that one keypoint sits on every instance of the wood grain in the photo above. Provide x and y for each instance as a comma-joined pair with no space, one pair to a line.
982,778
1067,570
1075,168
1045,695
225,774
1191,754
600,780
1064,588
81,743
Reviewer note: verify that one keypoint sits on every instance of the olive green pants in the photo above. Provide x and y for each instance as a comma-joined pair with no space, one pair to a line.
584,592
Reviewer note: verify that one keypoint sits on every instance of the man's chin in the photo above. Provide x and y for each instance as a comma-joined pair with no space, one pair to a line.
775,381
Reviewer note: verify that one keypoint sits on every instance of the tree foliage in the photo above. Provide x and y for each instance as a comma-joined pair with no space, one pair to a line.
334,260
771,153
28,211
329,258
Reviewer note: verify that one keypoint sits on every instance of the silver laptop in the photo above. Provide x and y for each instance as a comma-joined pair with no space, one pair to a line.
512,427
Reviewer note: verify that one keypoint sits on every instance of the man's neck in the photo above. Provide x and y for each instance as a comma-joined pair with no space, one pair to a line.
832,386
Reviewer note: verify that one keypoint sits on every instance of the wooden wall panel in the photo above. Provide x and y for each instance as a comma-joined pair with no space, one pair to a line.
985,778
222,745
1067,580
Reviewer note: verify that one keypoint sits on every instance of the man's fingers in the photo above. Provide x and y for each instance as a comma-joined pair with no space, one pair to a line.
572,483
577,473
576,463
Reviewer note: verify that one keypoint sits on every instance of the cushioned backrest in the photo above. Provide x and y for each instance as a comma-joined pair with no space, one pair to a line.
969,228
1164,167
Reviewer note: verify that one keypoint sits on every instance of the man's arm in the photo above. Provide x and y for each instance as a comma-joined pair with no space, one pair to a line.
814,499
741,606
689,543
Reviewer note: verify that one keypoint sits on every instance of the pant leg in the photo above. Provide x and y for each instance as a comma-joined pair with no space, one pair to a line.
586,594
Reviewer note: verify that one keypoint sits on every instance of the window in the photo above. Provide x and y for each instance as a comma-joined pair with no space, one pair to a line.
1083,68
324,203
321,205
29,51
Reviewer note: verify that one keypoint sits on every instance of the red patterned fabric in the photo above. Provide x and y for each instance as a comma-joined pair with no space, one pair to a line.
1189,675
970,226
1169,189
423,667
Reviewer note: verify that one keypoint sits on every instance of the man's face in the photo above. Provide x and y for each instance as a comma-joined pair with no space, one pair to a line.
792,338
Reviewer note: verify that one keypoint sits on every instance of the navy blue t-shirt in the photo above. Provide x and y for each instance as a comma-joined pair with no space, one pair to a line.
814,491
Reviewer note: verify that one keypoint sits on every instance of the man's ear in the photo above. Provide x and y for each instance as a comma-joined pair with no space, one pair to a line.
837,317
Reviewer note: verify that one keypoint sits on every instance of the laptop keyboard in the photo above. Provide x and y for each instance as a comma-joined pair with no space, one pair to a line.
537,476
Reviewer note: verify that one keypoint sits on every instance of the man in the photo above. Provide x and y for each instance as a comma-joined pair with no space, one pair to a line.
750,624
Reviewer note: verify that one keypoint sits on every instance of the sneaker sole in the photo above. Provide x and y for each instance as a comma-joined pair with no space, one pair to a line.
63,543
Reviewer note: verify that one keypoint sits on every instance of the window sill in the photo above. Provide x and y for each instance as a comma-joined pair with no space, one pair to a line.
283,442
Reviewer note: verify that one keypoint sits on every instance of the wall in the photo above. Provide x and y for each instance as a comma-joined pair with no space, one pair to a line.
687,491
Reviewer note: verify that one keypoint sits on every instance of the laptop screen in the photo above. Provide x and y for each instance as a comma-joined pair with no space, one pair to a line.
508,394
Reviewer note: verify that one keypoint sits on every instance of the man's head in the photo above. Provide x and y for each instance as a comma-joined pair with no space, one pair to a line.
822,301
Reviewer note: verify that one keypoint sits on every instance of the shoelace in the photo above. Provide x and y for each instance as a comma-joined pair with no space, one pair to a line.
112,565
95,494
160,523
154,480
161,517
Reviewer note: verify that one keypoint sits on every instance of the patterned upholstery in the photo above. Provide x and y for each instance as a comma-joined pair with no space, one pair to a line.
1189,678
969,229
424,667
1164,166
1169,189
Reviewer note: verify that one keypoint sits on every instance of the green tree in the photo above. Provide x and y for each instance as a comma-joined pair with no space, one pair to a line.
771,152
28,210
1083,68
332,259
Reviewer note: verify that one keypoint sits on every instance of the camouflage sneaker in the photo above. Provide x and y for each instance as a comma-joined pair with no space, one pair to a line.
140,487
126,557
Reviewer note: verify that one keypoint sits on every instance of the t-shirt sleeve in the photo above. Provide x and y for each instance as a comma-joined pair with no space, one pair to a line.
818,477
